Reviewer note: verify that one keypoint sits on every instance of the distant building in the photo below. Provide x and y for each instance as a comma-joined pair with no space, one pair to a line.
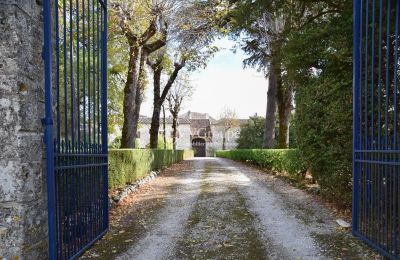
197,131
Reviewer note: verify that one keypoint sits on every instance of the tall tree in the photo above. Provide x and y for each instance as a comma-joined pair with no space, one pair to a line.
270,114
164,127
179,94
228,120
160,94
143,38
262,28
116,82
190,47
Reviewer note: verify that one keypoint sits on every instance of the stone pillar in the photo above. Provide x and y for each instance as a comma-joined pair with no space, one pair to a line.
23,208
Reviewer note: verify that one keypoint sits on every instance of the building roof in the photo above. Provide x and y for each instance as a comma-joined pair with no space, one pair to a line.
221,122
147,120
200,127
197,115
195,119
200,123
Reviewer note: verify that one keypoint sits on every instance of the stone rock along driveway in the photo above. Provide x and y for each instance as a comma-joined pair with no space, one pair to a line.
214,208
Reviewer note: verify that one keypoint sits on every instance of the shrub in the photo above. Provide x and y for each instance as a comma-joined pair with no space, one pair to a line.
252,133
127,166
160,143
324,133
288,160
116,144
323,98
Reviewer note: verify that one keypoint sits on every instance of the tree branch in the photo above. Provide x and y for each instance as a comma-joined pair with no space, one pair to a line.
150,32
152,47
123,16
172,78
158,44
313,18
156,64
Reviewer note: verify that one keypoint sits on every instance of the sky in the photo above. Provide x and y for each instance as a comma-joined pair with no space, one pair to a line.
224,84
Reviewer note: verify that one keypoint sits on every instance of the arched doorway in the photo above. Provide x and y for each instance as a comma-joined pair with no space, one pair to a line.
199,147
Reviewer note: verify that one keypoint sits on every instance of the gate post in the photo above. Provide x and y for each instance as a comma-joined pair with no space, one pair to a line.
48,124
23,210
104,123
356,86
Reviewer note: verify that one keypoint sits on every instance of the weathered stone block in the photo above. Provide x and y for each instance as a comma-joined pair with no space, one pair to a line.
9,109
12,238
21,182
23,211
30,146
8,180
35,221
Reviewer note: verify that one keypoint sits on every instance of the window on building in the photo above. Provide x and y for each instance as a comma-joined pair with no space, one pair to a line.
203,132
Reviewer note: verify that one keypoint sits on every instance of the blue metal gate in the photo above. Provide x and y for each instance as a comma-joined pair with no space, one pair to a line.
75,54
376,202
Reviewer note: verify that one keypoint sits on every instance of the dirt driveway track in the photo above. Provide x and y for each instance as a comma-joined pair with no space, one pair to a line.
213,208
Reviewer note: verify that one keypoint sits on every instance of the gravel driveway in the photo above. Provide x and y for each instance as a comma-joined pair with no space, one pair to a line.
218,209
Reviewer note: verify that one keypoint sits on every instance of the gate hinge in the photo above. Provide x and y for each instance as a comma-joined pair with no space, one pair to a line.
47,121
42,52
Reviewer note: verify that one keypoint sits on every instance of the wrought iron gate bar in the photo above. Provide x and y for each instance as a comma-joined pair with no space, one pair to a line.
80,155
377,151
80,166
376,160
77,156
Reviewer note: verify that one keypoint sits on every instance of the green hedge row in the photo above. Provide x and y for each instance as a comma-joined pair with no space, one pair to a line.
288,160
127,166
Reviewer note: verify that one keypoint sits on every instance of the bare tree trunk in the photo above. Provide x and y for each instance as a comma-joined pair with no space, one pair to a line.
133,91
285,99
128,133
154,128
155,120
164,128
141,84
175,102
174,128
223,143
160,98
270,118
146,51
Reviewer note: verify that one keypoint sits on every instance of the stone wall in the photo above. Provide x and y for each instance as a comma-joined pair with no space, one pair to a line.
23,209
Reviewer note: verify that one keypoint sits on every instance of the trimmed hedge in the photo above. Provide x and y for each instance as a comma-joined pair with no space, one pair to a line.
127,166
287,160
